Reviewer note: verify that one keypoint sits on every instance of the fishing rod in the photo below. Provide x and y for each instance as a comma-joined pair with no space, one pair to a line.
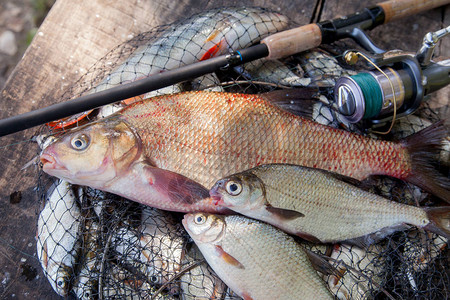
275,46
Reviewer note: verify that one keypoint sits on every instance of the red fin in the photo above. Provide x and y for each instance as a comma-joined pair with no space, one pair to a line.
179,188
246,296
423,147
284,214
66,122
439,220
213,50
228,258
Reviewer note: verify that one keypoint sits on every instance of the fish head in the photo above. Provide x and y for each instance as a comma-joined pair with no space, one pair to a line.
240,191
93,154
205,228
60,279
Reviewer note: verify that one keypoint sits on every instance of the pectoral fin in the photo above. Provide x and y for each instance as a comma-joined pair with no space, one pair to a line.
179,188
214,50
284,214
320,264
228,258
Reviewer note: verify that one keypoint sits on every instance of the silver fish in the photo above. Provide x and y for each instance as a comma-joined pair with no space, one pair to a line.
155,248
57,236
272,71
360,271
86,283
200,282
200,37
319,206
256,260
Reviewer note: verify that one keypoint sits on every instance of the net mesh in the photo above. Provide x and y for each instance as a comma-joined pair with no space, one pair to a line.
95,245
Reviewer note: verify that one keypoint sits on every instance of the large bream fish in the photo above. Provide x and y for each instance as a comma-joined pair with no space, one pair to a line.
208,135
319,206
256,260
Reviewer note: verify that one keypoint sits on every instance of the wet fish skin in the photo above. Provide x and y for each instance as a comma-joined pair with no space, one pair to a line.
57,243
247,253
319,206
206,135
351,261
107,155
200,282
200,37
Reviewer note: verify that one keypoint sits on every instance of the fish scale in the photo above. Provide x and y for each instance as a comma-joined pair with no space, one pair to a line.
273,265
318,206
220,134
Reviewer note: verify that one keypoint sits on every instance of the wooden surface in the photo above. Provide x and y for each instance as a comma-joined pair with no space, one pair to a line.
73,37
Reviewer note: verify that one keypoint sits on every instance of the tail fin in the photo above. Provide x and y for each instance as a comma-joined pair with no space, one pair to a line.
423,148
439,220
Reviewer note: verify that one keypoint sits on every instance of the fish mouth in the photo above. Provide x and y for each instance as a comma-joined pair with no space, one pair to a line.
49,162
186,219
215,197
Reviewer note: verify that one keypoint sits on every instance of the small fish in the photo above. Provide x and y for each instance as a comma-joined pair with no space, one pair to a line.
57,237
200,282
208,135
86,282
419,251
256,260
319,206
360,271
272,71
155,247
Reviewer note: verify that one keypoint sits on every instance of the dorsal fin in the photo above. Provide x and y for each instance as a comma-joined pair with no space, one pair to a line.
298,101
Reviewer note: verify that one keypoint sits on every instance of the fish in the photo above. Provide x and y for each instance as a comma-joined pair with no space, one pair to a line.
120,283
155,248
420,250
86,282
208,135
360,271
121,169
200,282
321,206
256,260
57,237
200,37
272,71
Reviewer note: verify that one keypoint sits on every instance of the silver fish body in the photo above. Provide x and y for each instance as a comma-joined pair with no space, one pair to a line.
360,271
205,35
256,260
200,282
57,236
318,205
155,248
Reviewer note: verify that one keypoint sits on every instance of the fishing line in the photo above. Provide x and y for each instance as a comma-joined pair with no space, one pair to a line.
374,93
18,143
16,249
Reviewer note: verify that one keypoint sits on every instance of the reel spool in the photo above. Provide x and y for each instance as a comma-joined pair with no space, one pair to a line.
395,87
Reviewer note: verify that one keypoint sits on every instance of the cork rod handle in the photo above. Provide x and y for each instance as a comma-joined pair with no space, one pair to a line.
309,36
396,9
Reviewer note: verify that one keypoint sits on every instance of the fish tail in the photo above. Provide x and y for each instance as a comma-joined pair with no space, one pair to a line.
423,148
439,220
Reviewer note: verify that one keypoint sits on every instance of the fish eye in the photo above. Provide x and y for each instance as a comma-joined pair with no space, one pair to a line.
200,219
80,142
233,188
154,278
